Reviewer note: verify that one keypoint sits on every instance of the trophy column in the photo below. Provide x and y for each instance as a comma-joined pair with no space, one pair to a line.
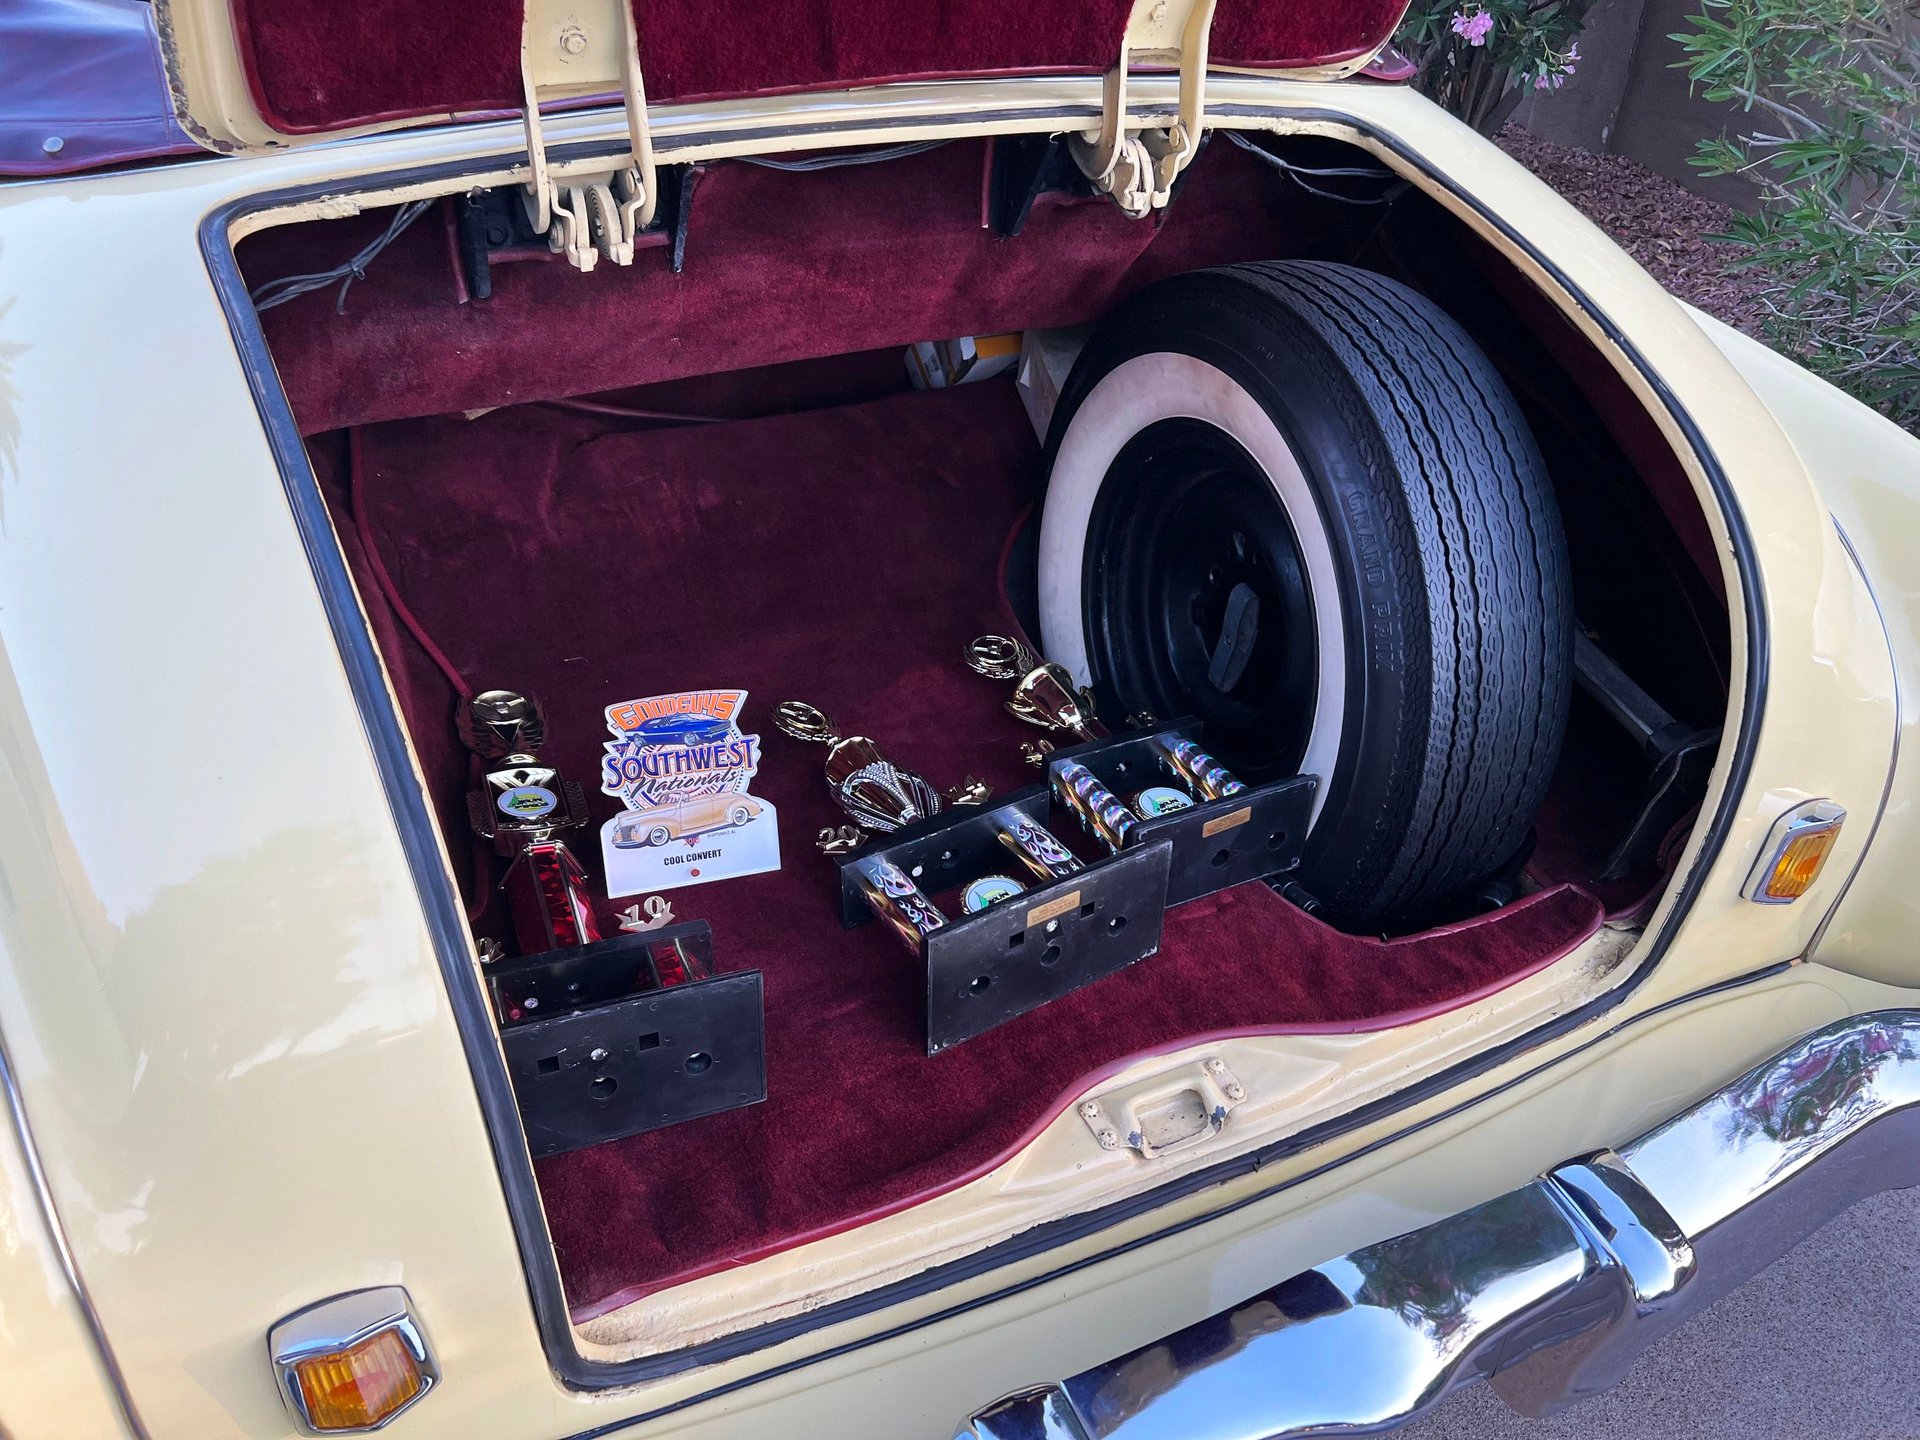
522,807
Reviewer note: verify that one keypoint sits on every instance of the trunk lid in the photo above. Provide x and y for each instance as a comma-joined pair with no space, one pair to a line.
263,74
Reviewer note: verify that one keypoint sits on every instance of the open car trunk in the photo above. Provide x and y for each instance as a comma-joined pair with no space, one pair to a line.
596,488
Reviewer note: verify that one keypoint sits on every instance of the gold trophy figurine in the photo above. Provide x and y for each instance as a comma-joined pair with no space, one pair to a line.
879,795
1044,694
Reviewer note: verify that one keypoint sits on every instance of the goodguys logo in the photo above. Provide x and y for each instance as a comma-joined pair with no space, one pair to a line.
671,748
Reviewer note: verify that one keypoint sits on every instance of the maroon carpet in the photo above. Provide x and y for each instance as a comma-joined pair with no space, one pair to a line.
779,267
841,556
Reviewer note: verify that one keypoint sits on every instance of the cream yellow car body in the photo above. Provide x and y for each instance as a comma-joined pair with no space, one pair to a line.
238,1080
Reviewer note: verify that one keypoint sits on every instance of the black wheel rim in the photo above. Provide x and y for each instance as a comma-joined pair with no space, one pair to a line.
1197,599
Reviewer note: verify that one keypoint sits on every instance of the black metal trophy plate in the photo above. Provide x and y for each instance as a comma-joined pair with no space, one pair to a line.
609,1060
1253,835
986,968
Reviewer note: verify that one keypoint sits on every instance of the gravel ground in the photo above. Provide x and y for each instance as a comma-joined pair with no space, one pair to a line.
1821,1344
1659,223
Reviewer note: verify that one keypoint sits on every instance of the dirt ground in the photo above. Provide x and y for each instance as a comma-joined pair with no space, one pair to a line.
1659,223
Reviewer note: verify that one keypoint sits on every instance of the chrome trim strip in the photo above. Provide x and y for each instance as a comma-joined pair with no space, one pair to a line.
50,1216
1549,1292
1899,724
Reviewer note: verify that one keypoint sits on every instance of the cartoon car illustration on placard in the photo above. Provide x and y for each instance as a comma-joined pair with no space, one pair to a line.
683,730
697,816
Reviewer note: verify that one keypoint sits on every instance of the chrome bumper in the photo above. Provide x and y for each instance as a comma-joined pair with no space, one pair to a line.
1548,1292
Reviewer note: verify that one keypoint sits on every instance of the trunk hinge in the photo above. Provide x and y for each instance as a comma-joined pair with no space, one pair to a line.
571,49
1138,170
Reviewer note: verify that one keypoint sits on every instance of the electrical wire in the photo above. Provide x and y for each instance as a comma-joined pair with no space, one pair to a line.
383,580
270,293
630,412
1322,172
834,159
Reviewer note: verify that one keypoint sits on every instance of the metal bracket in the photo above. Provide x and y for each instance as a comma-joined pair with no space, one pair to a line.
1168,1111
1681,756
572,49
1138,170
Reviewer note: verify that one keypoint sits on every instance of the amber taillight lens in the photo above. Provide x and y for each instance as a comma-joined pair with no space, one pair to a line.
361,1385
1796,850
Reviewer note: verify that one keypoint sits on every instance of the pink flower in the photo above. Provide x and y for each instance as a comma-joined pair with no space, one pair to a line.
1472,26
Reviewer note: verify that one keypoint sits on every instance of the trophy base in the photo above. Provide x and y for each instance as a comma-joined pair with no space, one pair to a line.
985,968
601,1043
1255,834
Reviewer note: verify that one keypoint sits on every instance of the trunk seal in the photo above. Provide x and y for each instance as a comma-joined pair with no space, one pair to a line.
446,925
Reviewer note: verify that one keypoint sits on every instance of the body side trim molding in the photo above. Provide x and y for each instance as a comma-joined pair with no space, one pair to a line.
56,1228
1893,761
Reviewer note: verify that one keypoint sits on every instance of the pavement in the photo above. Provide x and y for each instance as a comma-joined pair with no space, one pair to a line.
1824,1344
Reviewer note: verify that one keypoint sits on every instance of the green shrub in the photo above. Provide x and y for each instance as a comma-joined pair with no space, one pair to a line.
1480,58
1834,146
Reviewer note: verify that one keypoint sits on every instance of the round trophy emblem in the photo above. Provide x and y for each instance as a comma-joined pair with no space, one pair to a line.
1157,800
527,802
988,890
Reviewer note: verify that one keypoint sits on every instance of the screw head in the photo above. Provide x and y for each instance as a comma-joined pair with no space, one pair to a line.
597,1054
53,145
1089,1109
573,40
1109,1139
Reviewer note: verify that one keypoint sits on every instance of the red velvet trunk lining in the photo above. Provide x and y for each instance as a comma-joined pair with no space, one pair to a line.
331,65
843,556
779,267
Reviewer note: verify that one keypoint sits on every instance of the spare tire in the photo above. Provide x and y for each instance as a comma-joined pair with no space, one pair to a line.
1296,500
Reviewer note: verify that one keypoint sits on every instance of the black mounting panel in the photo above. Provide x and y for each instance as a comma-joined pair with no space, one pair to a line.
945,850
984,969
1254,835
1023,168
621,1062
537,987
1047,942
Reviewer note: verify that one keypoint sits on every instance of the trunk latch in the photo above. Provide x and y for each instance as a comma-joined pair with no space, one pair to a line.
570,49
1168,1111
1138,169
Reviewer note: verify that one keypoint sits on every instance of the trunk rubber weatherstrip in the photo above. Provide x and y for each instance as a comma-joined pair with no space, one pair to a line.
447,925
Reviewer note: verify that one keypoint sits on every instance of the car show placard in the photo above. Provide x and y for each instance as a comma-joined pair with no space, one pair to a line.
681,766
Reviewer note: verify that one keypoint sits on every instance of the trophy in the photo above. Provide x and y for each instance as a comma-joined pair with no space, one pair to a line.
1044,693
1103,814
878,794
522,807
893,896
1036,847
1209,779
